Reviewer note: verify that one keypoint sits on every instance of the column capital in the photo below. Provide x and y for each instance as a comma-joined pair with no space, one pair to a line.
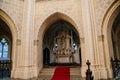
18,42
101,38
82,40
36,42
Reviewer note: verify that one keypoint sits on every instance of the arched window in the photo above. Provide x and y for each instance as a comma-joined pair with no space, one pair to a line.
4,49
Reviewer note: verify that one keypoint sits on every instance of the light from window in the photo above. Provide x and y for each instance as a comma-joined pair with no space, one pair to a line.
4,49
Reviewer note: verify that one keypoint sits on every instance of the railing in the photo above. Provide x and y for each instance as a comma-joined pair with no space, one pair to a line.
116,68
5,68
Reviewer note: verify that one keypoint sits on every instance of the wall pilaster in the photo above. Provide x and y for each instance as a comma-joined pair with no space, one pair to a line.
26,66
93,43
89,49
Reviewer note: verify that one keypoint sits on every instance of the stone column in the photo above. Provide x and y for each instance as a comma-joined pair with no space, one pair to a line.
91,41
103,69
100,69
26,67
88,40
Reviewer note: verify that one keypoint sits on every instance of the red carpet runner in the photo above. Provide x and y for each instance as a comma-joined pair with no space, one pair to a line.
61,73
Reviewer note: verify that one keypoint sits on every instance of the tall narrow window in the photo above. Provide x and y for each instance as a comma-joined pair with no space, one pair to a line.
4,49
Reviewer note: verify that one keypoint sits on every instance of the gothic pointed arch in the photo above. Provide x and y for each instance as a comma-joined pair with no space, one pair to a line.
5,41
107,31
53,18
108,21
9,21
8,37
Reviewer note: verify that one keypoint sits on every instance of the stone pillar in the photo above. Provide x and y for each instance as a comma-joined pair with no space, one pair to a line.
93,53
100,71
26,67
88,40
104,69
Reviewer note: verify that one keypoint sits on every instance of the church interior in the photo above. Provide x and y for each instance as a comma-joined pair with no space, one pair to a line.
59,39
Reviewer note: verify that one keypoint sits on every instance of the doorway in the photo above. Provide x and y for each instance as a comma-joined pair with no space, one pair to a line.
46,56
5,51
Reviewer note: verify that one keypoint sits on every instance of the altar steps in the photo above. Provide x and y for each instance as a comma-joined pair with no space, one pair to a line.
65,64
47,73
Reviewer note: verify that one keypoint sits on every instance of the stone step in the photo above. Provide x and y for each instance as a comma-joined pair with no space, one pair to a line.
47,73
75,71
50,71
50,77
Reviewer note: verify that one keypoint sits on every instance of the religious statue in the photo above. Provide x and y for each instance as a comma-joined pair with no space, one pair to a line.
63,52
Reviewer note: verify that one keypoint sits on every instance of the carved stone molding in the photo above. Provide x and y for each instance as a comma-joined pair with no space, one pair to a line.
38,0
21,0
82,40
101,38
36,42
18,42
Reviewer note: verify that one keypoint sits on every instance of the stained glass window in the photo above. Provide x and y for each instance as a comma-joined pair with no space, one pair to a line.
4,48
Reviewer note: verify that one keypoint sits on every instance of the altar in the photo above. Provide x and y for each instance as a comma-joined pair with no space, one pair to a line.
64,59
62,48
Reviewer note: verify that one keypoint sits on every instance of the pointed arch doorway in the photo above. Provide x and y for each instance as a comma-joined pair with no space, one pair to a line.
5,50
46,56
115,40
61,45
110,32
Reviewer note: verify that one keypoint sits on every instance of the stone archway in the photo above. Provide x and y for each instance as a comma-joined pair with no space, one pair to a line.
62,39
10,24
45,25
107,27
